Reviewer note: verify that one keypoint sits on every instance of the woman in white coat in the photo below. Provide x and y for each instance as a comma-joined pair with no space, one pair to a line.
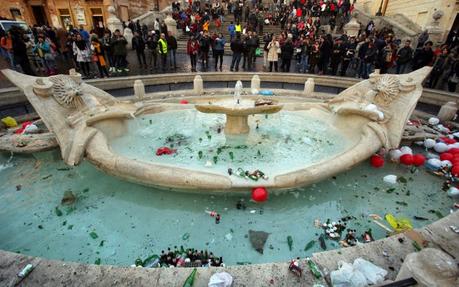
273,53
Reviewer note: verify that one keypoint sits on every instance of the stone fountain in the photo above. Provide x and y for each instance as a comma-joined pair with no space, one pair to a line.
237,110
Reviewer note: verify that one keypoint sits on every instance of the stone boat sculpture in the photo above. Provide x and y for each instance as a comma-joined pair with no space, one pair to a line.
371,114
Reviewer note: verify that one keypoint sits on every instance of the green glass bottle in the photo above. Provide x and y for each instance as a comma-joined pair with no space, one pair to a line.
190,280
314,268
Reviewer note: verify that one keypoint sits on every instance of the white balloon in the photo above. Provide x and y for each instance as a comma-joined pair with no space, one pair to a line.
380,115
395,154
390,178
434,163
371,107
453,192
429,143
434,121
454,145
440,147
446,163
406,150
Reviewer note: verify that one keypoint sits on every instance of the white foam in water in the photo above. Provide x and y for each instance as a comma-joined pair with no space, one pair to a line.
5,166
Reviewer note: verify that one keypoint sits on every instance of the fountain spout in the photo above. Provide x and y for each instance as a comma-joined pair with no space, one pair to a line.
237,92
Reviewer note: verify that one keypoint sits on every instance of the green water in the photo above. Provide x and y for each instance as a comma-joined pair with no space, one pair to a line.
283,142
133,221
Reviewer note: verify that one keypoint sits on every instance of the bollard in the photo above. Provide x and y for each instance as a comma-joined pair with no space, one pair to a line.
447,112
309,87
139,89
255,83
198,85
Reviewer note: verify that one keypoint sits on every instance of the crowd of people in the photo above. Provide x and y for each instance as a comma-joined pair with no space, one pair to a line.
310,40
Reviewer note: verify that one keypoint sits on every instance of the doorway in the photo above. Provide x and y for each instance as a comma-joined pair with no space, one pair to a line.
39,15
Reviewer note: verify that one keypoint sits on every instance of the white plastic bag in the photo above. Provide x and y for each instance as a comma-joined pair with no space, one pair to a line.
390,178
373,274
220,279
347,276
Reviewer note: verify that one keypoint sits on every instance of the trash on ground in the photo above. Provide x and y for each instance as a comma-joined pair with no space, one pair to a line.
295,268
398,224
390,178
26,271
220,279
190,279
359,274
314,268
9,122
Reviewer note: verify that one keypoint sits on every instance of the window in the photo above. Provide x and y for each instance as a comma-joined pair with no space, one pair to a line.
66,18
16,14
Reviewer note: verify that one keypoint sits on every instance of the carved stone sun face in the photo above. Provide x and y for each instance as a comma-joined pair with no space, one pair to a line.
66,91
387,88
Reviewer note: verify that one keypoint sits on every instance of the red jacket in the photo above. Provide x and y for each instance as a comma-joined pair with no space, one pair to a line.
192,48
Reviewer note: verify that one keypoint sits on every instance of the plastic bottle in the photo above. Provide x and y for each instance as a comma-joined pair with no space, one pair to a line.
314,268
190,279
151,261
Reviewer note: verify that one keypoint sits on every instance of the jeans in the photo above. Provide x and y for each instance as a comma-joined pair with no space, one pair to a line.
235,61
285,67
84,68
401,68
368,68
361,68
218,55
163,61
193,62
153,58
172,58
140,57
304,64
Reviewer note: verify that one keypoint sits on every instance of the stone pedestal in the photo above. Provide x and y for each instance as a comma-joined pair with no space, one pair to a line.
198,85
128,35
113,23
430,267
309,87
447,111
434,30
255,83
171,25
236,125
139,89
352,28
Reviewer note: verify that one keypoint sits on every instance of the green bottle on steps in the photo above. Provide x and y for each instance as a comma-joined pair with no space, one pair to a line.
314,268
190,280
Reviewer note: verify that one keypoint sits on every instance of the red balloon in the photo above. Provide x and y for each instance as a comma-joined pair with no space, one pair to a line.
446,156
455,162
455,170
406,159
184,102
259,194
447,140
377,161
419,159
454,151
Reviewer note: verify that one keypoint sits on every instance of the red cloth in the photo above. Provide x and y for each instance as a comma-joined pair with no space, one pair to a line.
164,150
299,12
23,127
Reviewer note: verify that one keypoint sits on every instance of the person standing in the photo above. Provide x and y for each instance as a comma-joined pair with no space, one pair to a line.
232,30
108,50
438,68
119,49
20,51
337,56
6,44
453,77
204,47
286,55
98,56
152,43
138,44
266,39
314,57
370,57
237,49
219,50
325,53
349,53
404,57
424,56
192,49
252,45
172,46
82,52
163,49
273,53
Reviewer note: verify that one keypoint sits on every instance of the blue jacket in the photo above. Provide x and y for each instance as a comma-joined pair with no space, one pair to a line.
220,44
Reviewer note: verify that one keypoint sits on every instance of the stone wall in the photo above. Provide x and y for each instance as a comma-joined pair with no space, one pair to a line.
7,5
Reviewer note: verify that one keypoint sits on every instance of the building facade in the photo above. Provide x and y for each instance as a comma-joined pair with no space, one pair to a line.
418,11
65,13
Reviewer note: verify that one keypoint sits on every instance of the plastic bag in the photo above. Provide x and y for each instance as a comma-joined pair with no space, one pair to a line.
347,276
373,274
266,93
10,122
390,178
220,279
398,224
